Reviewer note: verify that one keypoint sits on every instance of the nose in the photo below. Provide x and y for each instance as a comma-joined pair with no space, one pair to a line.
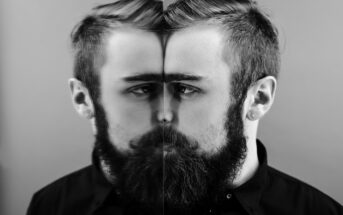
165,116
166,110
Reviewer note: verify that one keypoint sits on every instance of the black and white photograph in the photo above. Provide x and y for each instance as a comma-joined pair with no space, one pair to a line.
171,107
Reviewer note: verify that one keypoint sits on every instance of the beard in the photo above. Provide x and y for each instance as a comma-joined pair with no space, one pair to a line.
179,181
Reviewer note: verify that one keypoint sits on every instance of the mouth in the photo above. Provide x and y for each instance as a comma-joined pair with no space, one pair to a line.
168,150
165,150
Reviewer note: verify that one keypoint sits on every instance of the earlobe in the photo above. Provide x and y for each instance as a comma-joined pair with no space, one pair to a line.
81,99
253,115
262,94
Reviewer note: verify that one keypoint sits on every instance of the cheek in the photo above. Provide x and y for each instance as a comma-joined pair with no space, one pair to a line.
212,139
126,121
206,124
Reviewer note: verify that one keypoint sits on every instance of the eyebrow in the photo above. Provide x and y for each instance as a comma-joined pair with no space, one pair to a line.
181,77
144,77
150,77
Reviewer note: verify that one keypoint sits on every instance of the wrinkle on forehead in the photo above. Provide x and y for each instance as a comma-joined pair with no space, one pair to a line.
198,48
135,51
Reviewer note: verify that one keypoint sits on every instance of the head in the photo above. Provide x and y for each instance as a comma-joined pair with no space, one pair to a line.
242,39
114,47
227,52
172,122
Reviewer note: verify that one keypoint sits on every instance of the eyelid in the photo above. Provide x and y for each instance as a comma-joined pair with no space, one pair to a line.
193,88
153,89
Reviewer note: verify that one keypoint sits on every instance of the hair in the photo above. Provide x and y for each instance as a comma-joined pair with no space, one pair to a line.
251,40
89,36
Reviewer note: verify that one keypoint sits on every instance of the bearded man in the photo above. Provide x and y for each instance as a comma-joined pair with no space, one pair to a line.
175,98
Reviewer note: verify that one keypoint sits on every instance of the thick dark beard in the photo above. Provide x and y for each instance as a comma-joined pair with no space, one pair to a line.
180,181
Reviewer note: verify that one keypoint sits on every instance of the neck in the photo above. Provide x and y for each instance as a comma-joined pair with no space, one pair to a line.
250,164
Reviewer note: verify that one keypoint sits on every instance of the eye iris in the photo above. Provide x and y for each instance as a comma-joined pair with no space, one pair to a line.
145,89
182,89
185,90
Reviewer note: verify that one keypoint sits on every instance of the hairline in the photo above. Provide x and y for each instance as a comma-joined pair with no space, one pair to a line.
228,53
101,50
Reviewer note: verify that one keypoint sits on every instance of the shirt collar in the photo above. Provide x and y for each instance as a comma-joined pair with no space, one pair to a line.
249,193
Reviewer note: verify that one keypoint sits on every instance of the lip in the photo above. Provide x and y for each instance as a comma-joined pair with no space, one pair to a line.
168,149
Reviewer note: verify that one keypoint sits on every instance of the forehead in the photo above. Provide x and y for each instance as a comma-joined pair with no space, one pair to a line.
196,49
131,51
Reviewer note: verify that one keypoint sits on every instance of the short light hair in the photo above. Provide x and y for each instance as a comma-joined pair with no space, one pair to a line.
252,47
89,36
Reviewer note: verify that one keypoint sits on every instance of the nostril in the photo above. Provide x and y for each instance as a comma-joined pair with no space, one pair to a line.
167,116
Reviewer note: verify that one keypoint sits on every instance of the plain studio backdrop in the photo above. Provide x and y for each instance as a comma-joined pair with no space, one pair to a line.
42,138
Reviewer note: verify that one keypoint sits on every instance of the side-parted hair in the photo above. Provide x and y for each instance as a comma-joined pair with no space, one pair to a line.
251,48
89,36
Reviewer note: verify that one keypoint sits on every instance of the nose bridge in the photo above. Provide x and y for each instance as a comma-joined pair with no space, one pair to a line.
167,99
166,106
166,112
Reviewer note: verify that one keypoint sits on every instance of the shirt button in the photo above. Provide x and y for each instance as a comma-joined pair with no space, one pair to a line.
228,196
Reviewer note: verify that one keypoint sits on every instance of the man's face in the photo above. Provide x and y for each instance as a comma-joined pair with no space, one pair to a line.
201,111
130,112
194,97
170,131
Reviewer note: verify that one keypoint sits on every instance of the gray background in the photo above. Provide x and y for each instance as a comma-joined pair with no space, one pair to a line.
43,139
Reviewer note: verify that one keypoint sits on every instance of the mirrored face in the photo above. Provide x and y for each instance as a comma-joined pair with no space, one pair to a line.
167,132
189,93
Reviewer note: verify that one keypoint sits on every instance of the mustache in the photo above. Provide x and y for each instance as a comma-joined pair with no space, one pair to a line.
164,136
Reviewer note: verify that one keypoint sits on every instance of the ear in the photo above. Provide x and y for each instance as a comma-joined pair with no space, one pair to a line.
81,99
261,98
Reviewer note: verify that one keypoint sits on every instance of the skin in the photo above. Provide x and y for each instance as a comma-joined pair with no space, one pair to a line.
194,97
202,114
197,51
130,113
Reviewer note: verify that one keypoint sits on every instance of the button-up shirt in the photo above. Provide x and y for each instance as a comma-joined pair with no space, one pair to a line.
269,191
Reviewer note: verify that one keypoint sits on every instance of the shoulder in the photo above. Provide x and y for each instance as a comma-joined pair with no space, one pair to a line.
66,189
75,179
297,195
72,182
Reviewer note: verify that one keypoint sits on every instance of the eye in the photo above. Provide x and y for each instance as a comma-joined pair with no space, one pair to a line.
143,90
185,90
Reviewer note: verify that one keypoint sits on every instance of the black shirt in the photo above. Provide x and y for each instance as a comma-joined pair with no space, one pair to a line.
269,191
